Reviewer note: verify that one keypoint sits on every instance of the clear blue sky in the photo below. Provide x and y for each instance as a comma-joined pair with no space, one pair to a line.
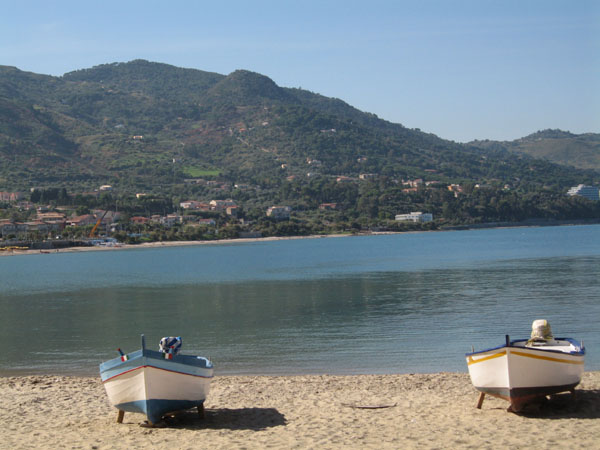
463,70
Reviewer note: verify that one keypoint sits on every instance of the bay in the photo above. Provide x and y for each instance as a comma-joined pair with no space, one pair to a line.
399,303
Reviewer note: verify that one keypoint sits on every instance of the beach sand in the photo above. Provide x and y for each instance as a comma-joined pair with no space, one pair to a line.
13,252
305,411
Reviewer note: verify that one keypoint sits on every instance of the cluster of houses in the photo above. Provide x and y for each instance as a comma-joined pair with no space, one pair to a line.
52,223
231,208
44,224
11,197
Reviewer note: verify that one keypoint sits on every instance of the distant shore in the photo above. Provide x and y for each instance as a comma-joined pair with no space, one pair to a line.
160,244
305,411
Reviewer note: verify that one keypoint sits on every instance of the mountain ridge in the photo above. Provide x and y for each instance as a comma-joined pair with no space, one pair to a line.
561,147
124,123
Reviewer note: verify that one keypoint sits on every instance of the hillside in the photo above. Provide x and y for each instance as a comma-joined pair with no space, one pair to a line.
125,123
177,134
561,147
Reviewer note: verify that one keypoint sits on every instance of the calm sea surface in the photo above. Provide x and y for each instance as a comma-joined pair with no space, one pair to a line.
349,305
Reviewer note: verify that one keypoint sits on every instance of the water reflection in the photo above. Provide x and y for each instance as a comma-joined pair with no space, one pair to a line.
381,322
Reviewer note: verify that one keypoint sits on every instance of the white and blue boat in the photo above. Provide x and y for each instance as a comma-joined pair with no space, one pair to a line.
524,370
156,382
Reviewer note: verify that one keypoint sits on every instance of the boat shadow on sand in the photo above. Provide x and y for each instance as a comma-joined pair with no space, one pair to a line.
255,419
584,404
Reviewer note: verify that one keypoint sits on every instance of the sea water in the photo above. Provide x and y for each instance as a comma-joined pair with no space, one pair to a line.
401,303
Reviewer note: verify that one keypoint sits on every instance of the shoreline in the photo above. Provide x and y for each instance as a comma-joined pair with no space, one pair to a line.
305,411
161,244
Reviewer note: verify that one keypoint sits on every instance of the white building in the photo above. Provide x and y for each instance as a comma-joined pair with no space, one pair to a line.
415,217
193,204
279,212
590,192
171,219
221,205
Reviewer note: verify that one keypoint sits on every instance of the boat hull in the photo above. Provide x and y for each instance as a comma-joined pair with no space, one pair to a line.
521,374
147,383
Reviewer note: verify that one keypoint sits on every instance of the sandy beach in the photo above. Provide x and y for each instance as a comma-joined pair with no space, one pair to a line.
159,244
162,244
305,411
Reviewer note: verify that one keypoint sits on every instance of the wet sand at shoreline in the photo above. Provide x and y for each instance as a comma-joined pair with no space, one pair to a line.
304,411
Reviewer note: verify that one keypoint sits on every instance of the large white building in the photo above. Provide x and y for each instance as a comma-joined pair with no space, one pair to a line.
416,216
279,212
591,192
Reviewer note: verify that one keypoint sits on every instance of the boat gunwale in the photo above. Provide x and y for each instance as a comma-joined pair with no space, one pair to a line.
145,366
144,357
576,344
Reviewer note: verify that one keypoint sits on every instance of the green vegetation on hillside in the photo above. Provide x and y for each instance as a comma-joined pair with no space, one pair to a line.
149,128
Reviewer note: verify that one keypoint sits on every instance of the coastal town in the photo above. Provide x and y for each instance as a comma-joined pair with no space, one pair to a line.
54,222
50,225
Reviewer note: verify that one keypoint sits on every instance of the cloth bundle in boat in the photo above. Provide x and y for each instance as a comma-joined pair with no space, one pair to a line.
170,345
540,331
